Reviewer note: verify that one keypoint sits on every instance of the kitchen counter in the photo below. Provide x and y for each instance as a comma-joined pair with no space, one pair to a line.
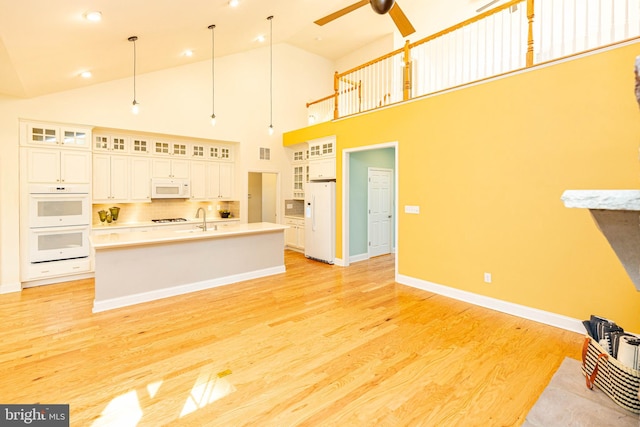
135,267
142,224
134,238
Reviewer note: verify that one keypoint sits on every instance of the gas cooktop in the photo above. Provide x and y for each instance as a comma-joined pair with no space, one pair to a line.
169,220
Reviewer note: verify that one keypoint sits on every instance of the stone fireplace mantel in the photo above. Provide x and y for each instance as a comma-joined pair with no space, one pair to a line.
617,214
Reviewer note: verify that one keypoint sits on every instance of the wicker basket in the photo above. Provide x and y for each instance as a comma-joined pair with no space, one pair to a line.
616,380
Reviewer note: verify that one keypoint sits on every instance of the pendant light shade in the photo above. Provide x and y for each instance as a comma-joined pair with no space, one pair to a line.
135,106
213,74
270,19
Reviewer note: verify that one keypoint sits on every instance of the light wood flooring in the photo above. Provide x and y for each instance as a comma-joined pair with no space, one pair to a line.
319,345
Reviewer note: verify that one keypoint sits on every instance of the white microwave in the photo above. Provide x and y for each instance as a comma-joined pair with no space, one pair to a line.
170,188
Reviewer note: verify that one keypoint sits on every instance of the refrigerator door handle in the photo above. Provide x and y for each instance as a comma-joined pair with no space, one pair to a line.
313,212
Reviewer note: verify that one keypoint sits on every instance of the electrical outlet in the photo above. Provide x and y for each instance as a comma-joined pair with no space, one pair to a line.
487,277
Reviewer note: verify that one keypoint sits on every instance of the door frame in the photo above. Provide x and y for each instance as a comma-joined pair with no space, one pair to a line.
346,153
279,216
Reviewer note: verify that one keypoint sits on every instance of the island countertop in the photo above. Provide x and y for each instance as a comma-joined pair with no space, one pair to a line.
138,238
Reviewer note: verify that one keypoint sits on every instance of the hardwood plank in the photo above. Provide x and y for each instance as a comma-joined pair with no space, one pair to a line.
317,345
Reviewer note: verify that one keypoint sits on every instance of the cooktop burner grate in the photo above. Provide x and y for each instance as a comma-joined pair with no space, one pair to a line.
169,220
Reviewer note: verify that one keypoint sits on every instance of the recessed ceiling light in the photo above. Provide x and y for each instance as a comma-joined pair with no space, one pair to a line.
85,74
234,3
94,16
188,52
260,38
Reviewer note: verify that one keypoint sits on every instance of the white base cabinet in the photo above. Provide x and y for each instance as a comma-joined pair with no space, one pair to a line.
294,235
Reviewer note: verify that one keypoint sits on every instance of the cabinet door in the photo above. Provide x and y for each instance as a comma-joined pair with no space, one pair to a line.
161,168
43,134
179,168
199,175
101,177
119,178
140,146
43,165
198,151
226,180
322,169
291,236
140,173
75,167
301,234
74,137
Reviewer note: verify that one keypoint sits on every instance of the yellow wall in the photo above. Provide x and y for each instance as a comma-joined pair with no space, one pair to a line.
487,165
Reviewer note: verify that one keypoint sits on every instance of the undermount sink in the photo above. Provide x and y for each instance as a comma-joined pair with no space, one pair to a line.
196,230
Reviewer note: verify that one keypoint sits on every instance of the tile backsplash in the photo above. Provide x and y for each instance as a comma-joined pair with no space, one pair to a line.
294,207
170,208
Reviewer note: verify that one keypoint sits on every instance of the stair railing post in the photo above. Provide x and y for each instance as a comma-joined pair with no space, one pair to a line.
530,16
336,88
407,84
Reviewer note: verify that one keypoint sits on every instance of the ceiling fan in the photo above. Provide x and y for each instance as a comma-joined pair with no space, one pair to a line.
379,6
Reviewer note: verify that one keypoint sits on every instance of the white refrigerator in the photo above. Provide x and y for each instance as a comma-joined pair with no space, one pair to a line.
320,221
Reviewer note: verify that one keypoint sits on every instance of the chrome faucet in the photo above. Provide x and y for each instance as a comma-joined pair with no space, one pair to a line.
204,218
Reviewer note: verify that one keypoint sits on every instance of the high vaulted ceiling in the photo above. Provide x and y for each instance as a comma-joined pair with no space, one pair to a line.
46,44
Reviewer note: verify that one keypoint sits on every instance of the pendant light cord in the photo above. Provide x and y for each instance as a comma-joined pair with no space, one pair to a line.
133,39
213,74
270,18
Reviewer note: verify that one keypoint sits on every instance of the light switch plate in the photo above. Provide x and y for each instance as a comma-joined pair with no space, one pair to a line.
411,209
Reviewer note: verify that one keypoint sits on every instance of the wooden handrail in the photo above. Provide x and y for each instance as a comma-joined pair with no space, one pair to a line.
373,61
317,101
468,22
406,50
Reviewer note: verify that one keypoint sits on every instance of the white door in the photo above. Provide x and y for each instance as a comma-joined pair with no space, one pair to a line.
380,218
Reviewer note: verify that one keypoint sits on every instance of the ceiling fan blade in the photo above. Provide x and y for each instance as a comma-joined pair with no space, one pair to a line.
401,21
341,12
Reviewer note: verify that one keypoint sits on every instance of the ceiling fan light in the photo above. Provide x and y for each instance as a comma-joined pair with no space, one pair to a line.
381,6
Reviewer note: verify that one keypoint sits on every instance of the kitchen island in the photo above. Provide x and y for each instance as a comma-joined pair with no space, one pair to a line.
135,267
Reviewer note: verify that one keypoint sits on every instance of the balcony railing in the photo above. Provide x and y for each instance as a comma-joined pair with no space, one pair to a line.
514,36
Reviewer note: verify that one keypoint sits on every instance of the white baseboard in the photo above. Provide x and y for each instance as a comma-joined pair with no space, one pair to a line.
358,258
540,316
119,302
57,279
10,287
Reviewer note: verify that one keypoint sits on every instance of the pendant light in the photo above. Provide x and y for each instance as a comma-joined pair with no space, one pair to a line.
135,106
270,18
213,89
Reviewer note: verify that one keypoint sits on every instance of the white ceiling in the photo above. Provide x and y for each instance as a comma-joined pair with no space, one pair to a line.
45,44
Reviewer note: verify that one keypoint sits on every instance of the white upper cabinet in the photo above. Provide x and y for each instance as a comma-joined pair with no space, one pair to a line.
169,148
53,135
324,147
58,166
220,152
113,143
322,159
140,146
198,151
110,178
169,168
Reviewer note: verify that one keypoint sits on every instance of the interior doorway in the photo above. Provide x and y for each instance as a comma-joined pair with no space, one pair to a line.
262,199
380,213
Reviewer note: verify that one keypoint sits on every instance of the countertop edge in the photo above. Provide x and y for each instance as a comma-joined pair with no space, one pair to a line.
132,238
602,199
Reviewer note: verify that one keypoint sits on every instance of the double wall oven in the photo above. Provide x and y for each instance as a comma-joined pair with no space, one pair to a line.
59,222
